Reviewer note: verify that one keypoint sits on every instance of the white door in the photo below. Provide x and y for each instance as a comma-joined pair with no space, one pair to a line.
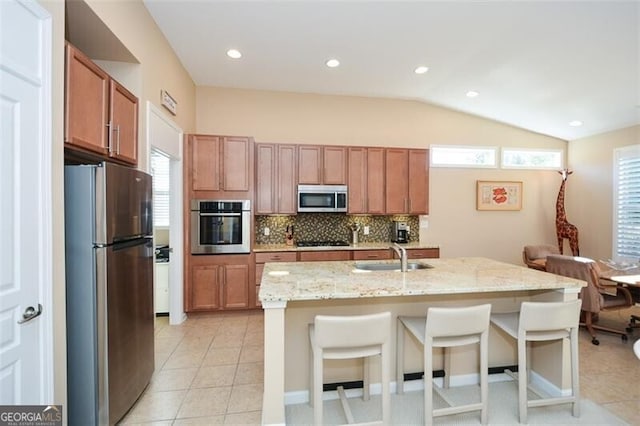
26,354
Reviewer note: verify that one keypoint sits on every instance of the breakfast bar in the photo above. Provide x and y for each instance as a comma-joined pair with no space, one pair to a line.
292,293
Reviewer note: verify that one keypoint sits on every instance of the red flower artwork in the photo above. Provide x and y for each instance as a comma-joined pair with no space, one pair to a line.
499,195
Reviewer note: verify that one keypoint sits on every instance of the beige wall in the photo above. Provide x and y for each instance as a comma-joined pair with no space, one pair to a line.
454,222
160,68
588,195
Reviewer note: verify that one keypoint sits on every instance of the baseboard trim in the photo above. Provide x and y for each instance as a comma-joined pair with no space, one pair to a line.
413,382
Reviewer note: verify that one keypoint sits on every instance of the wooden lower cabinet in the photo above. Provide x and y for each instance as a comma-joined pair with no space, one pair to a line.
312,256
372,254
219,282
423,253
274,256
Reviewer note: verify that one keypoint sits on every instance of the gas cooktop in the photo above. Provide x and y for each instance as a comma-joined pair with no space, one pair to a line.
321,243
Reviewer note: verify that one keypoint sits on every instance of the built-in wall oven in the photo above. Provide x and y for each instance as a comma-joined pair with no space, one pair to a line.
220,226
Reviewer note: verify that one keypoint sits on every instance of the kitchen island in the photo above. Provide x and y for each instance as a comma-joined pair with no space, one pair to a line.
293,293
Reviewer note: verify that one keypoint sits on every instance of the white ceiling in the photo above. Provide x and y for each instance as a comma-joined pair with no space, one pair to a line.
537,65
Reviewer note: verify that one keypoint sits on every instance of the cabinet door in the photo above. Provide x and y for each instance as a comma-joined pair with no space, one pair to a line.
334,165
235,289
375,181
396,197
357,180
236,163
86,103
266,183
205,162
309,164
123,124
287,170
205,287
418,181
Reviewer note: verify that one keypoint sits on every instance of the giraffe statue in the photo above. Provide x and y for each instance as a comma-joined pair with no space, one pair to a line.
564,229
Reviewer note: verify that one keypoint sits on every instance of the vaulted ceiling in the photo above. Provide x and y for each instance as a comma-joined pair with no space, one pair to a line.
538,65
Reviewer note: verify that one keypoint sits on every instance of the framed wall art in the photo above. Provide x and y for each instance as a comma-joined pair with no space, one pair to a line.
498,195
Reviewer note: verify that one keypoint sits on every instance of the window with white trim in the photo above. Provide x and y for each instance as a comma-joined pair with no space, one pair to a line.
160,172
527,158
463,156
626,204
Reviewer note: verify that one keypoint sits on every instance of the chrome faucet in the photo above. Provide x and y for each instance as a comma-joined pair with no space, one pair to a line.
402,254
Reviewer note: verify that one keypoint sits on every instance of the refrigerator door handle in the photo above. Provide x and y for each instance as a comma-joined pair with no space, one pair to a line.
30,313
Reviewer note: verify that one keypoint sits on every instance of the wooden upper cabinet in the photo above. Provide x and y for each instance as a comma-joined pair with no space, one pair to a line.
86,103
375,181
266,178
101,115
309,165
123,123
418,181
276,169
287,166
357,180
335,166
236,154
407,181
396,186
366,180
205,162
221,163
322,165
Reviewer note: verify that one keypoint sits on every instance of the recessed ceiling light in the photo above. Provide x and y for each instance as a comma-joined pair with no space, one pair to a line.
472,94
575,123
421,70
332,63
234,54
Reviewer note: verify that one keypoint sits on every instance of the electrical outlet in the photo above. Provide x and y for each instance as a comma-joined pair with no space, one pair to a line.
408,228
267,231
366,230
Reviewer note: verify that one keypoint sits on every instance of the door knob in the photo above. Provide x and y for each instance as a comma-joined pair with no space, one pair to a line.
30,313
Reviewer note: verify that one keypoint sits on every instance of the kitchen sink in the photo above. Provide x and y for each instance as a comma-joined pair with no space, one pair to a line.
411,266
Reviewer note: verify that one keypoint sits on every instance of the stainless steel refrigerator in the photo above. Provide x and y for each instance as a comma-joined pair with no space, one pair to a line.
109,285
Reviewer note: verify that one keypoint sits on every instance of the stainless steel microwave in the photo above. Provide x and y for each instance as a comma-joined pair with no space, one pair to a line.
322,198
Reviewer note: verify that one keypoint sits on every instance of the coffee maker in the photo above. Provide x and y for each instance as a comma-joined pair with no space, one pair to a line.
399,232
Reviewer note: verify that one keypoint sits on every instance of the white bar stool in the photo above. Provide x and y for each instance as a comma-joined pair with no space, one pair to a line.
541,321
345,337
444,328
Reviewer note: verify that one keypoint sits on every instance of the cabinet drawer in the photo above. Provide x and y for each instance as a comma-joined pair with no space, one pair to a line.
430,253
371,254
281,256
310,256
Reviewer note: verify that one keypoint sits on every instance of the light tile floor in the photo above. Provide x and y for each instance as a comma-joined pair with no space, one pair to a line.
209,371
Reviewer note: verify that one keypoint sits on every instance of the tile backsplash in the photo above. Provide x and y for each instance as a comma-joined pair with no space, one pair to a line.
330,226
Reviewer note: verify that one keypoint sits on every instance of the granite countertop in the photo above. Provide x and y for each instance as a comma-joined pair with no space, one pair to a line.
262,248
290,281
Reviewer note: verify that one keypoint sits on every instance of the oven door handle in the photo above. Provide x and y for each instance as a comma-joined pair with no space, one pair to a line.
221,214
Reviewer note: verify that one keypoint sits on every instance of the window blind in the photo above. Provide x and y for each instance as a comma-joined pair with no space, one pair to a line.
626,215
160,172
